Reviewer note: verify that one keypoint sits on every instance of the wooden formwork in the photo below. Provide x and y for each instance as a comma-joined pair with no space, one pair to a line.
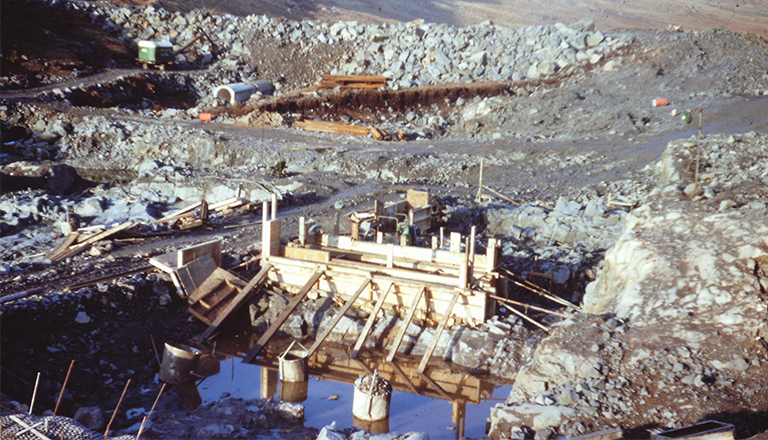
408,269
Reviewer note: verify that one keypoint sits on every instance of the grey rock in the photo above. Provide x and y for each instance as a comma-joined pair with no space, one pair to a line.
92,417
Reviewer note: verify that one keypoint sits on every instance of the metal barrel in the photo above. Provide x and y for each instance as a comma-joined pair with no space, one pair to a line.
179,361
293,364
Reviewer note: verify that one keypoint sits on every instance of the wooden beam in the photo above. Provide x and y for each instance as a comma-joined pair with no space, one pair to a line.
253,352
71,252
175,215
370,321
64,244
437,387
528,306
401,335
239,300
399,371
319,340
438,332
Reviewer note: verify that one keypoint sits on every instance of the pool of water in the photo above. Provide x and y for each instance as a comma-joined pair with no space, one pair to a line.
441,403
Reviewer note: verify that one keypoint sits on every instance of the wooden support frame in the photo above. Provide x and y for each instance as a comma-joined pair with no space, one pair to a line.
370,321
320,339
239,300
409,317
253,352
438,332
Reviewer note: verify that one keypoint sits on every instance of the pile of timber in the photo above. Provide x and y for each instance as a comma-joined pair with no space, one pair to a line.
195,215
82,239
213,293
344,128
352,82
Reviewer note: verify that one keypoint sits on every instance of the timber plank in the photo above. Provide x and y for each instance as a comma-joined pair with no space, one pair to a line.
408,319
71,252
175,215
253,352
370,321
192,253
239,300
338,317
65,243
166,262
332,127
438,332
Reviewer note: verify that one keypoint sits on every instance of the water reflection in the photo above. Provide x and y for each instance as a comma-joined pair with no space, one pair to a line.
334,364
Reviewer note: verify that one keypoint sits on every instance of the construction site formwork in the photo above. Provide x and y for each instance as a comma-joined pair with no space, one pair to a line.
394,273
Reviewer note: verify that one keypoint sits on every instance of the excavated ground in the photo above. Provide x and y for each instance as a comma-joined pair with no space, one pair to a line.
592,132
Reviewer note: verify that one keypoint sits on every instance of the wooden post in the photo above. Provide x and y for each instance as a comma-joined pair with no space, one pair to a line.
274,206
270,238
464,269
355,231
438,332
336,224
491,255
379,237
442,237
253,352
455,242
401,335
319,340
479,196
391,255
435,243
370,321
472,238
302,230
264,211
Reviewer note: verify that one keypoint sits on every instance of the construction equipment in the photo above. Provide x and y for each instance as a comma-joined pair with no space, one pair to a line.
160,54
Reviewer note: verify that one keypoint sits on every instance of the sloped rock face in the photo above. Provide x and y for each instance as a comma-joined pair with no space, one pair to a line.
678,313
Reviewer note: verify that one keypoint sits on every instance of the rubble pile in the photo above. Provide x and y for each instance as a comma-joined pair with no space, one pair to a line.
677,311
412,54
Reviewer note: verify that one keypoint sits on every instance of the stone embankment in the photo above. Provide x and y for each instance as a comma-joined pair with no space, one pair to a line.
676,316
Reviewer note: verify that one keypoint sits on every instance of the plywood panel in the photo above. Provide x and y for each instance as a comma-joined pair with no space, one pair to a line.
192,253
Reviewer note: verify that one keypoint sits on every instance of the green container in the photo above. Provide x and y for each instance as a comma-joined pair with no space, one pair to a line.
154,52
686,116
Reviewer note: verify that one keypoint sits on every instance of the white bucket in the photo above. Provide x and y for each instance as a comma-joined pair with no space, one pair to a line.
371,403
